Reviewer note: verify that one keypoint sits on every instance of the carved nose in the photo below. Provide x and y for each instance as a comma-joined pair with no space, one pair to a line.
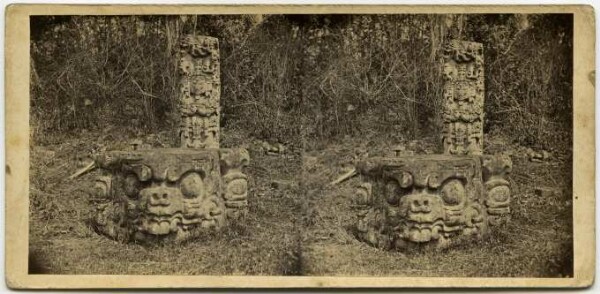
160,197
421,205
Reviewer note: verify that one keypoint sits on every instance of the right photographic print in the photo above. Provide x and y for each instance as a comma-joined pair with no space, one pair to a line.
437,145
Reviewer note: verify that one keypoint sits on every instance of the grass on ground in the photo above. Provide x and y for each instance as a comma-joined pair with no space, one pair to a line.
536,243
62,241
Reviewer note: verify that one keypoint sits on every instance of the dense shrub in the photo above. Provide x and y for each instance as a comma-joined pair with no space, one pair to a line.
298,78
529,76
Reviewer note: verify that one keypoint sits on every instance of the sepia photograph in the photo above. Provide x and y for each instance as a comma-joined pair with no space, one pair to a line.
384,145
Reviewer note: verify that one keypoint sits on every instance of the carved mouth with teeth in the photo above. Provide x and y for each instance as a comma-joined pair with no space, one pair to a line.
420,217
421,232
167,224
173,205
159,225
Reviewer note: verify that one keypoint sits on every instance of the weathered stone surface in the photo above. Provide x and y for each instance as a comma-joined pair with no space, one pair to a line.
235,193
161,194
200,92
463,98
408,201
498,194
427,199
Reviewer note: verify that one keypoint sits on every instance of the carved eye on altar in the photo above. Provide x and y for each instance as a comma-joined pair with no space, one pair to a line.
397,186
453,192
192,185
131,186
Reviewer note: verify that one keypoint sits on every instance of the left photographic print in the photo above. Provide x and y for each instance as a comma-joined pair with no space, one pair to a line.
143,157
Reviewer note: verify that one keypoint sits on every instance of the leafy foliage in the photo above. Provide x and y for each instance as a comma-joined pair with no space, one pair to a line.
296,78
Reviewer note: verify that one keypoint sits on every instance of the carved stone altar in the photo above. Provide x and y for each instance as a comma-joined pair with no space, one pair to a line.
174,194
423,200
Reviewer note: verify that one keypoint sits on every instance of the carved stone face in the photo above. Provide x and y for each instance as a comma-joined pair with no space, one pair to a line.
430,199
172,194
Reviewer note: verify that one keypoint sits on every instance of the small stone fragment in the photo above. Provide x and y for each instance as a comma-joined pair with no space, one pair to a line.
545,192
273,149
536,157
281,148
282,184
135,144
545,154
399,150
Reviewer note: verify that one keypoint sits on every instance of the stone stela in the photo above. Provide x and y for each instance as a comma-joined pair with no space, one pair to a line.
463,90
176,194
200,92
415,201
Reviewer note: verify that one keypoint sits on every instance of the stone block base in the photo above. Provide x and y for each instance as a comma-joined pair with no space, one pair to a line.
169,194
429,199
